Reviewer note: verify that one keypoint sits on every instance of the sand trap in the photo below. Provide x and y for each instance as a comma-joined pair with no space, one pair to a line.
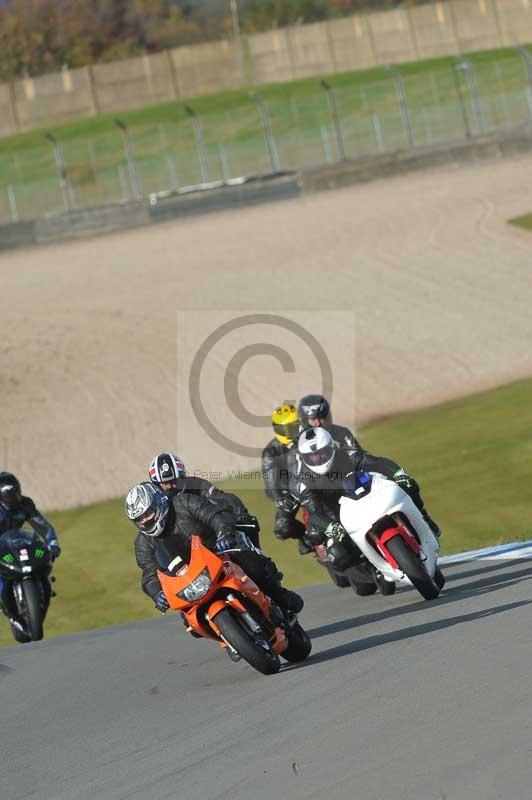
440,283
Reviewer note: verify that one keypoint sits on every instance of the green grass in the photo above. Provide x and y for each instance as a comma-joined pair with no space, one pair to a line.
522,222
165,147
473,458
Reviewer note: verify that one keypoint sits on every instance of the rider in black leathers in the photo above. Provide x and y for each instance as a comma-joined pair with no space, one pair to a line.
217,525
276,464
315,412
319,494
15,510
168,471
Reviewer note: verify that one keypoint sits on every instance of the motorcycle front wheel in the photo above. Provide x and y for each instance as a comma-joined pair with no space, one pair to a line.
32,611
410,564
260,657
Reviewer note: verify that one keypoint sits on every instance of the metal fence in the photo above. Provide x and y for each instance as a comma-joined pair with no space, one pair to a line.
314,124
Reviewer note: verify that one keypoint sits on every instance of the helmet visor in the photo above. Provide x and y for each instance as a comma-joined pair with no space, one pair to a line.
290,430
318,457
10,495
147,521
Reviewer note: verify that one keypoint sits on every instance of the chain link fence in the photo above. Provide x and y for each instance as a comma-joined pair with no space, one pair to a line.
306,126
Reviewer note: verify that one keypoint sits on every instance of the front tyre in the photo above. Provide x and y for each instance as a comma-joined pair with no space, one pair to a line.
261,658
410,564
439,578
32,611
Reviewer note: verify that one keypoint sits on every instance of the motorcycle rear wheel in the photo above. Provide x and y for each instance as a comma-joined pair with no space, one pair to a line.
410,564
342,581
263,660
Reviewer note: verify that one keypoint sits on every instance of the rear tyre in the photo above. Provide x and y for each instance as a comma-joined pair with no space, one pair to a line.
342,581
363,589
410,564
299,644
259,657
32,612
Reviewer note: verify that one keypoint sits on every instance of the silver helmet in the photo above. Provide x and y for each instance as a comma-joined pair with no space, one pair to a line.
147,507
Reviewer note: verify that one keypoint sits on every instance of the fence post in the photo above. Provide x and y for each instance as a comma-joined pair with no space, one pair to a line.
461,100
93,91
403,102
131,164
13,105
123,184
268,135
527,62
467,67
377,128
333,108
13,204
224,161
200,143
61,169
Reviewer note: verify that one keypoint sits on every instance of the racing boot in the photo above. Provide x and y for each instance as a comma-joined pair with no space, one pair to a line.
288,600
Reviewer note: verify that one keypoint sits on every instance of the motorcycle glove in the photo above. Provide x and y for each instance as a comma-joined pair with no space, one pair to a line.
336,531
161,603
55,550
229,541
403,479
287,504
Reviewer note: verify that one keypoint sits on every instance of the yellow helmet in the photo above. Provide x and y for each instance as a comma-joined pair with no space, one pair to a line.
285,421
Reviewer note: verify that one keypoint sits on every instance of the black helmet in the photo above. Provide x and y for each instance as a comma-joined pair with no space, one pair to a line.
314,406
148,507
10,491
166,468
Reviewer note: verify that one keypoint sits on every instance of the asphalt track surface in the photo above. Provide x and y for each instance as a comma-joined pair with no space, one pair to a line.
401,698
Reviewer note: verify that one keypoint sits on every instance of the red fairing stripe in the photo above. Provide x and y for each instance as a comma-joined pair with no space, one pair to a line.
400,530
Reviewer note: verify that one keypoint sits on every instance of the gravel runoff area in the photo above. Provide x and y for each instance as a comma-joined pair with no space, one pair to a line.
440,284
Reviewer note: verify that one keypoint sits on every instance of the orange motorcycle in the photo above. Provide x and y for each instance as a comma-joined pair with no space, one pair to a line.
219,601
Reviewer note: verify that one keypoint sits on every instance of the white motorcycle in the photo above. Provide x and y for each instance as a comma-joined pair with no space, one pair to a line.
390,531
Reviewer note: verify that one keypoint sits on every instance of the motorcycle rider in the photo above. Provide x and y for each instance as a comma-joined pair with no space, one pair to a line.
276,463
157,516
315,412
168,471
318,484
15,510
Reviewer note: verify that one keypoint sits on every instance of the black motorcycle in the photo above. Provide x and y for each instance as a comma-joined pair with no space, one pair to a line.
25,583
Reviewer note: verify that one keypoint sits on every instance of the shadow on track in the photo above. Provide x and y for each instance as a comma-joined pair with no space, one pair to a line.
450,595
404,633
482,568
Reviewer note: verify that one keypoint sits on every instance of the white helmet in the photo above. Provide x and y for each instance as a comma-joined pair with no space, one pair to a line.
166,467
317,450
